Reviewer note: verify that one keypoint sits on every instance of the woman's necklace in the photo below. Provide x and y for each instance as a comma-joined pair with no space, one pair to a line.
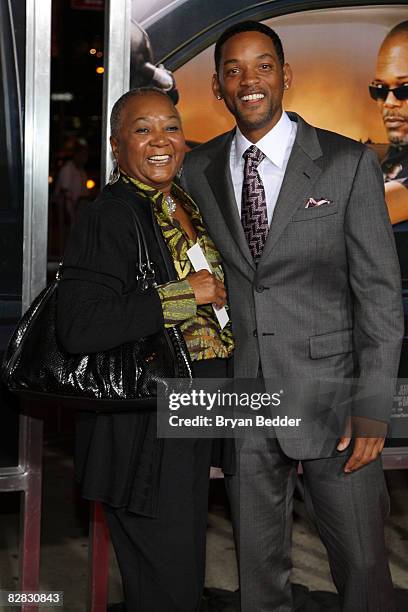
170,205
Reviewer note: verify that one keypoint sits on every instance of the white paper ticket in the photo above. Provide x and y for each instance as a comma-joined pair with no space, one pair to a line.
199,262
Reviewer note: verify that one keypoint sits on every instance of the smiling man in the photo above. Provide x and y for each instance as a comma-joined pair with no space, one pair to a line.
299,217
390,90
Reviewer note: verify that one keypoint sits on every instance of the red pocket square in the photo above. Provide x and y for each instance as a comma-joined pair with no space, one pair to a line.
312,203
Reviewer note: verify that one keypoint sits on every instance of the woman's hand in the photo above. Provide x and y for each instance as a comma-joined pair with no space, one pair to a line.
207,289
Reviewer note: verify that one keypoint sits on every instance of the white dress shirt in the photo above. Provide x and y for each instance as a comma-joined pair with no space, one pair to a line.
276,145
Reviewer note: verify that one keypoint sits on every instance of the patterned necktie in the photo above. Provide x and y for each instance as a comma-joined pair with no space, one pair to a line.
254,217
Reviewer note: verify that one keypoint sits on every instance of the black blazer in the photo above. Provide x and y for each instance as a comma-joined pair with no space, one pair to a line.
99,305
117,456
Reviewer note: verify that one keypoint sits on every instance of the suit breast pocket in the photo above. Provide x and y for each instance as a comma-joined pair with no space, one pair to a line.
316,235
317,212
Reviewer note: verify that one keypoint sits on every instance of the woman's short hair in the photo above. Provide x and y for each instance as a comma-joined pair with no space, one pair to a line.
116,114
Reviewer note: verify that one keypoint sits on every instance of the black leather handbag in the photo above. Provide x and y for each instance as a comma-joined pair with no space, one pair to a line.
127,377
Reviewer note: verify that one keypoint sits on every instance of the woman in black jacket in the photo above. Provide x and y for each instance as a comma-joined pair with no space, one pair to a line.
154,491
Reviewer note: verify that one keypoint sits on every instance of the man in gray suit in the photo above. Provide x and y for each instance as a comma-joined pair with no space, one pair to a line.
299,217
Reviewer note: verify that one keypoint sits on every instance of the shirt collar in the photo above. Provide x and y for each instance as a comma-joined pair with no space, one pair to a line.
273,144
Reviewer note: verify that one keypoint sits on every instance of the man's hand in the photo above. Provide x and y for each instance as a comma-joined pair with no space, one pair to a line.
369,437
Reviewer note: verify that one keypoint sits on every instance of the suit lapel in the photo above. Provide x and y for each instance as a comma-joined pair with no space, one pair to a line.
301,173
219,178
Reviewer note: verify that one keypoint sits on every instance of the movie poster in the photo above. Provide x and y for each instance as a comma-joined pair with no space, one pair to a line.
12,61
329,90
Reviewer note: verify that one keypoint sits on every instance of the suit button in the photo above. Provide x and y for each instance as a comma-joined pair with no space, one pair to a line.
255,333
260,288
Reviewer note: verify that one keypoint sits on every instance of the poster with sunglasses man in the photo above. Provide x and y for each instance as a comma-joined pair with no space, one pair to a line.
390,90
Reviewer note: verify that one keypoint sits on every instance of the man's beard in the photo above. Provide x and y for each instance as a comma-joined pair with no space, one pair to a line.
398,141
256,122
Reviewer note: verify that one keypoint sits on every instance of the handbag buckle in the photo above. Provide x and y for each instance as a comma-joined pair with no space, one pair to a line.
59,271
146,277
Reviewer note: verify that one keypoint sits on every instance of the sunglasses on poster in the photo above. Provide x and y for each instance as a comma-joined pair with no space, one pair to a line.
380,92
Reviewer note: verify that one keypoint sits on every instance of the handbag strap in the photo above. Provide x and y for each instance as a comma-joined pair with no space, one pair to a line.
146,275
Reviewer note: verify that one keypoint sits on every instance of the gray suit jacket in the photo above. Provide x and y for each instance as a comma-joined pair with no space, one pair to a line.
325,298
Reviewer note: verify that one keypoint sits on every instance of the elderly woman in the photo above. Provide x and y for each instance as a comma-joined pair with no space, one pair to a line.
154,493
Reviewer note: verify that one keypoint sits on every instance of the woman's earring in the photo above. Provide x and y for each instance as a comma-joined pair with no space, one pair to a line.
115,173
219,97
179,173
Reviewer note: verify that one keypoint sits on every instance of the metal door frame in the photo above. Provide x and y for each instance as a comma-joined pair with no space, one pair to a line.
26,477
117,69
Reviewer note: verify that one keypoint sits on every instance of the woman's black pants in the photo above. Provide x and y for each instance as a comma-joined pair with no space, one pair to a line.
162,560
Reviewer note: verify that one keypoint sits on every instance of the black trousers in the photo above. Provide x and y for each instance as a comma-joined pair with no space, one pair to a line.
162,560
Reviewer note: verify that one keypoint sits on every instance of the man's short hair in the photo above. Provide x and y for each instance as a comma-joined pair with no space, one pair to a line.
116,114
248,26
400,28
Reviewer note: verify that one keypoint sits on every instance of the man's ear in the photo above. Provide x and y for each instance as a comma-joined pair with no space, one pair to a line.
114,146
216,87
287,76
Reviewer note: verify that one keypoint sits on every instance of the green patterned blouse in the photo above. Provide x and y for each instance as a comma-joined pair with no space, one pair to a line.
201,330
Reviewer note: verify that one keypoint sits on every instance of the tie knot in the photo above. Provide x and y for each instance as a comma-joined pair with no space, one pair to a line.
254,155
